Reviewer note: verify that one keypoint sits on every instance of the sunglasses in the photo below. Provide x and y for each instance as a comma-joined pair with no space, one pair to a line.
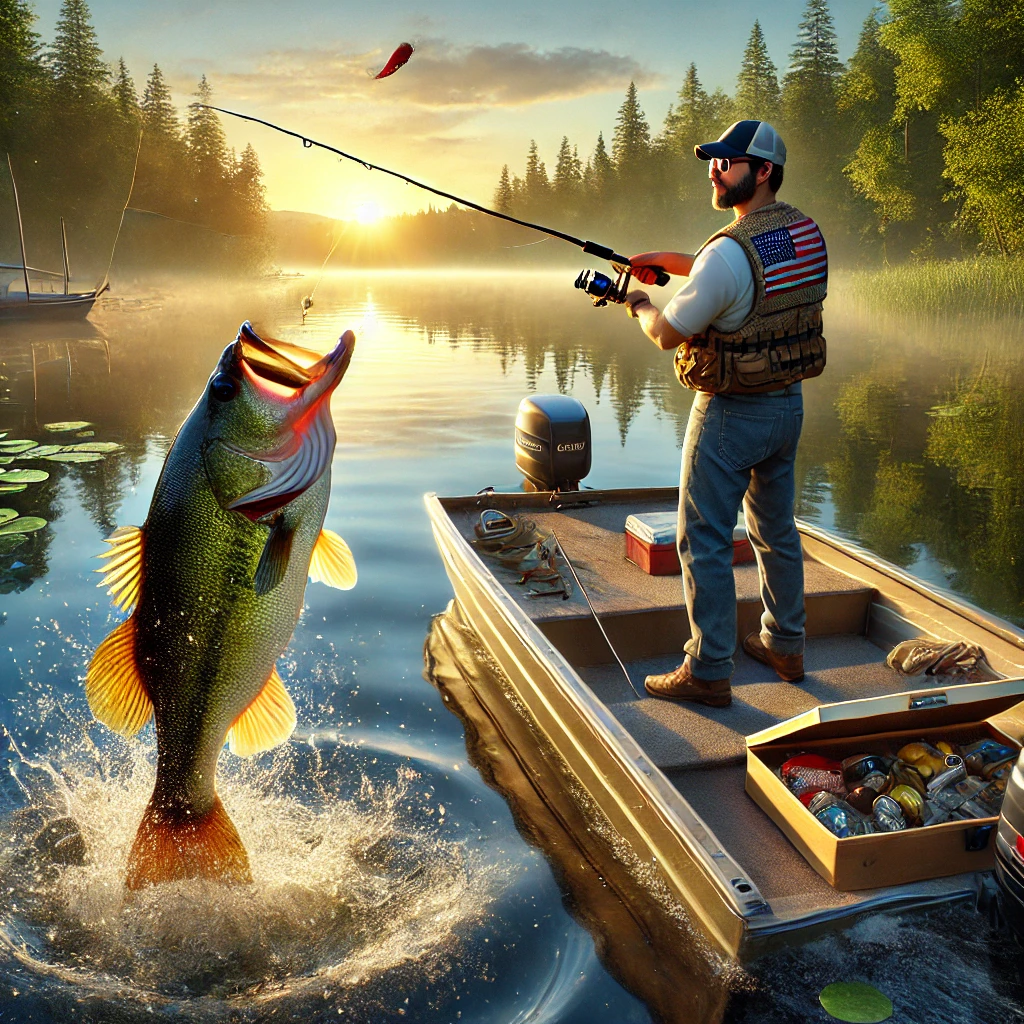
723,163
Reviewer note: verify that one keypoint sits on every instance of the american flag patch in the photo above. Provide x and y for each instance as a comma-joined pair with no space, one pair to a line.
793,256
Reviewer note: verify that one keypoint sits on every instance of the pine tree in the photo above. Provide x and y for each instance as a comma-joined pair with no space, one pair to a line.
207,154
75,58
568,177
250,192
687,122
757,86
536,186
815,57
600,173
631,141
159,116
124,92
20,69
503,194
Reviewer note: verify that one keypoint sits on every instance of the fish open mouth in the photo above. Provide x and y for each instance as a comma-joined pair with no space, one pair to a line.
291,367
303,381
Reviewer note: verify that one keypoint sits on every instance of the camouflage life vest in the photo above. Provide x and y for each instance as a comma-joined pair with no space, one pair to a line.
780,341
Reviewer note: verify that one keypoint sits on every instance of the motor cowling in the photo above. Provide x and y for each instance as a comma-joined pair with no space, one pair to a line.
553,449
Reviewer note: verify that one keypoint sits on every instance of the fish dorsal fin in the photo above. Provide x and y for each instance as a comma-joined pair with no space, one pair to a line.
122,572
266,722
115,690
332,562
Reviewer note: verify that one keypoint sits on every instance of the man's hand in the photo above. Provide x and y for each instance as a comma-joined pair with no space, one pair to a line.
677,263
635,298
639,306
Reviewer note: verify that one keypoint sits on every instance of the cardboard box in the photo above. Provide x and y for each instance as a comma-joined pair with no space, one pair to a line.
959,714
651,543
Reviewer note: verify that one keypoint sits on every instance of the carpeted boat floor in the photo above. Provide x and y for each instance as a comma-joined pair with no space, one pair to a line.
678,735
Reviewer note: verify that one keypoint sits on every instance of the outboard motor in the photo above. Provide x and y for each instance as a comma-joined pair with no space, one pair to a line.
553,442
1010,850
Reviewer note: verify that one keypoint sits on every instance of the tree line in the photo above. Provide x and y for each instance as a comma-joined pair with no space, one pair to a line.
76,130
913,147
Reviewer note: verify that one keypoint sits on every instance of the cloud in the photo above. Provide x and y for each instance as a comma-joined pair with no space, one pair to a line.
439,77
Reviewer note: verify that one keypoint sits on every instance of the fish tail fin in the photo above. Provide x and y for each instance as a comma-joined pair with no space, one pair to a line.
170,848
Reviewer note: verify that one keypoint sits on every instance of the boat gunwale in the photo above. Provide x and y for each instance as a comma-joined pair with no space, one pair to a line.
767,923
665,799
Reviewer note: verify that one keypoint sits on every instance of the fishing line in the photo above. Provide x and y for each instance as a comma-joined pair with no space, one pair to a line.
128,199
589,247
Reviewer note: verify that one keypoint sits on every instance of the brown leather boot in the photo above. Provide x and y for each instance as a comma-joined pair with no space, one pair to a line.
790,667
679,684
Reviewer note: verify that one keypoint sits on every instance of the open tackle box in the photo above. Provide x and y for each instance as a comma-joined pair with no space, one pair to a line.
878,725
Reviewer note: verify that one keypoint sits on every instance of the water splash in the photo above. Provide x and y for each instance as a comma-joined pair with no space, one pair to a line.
349,890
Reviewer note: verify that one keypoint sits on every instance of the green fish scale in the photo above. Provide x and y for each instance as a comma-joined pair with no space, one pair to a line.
206,641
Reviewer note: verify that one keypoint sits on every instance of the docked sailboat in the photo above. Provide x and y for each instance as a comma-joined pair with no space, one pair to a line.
47,294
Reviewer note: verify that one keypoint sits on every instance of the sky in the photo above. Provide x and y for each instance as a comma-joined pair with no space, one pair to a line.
486,78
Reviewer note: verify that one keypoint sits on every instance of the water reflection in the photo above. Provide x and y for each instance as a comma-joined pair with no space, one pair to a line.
911,444
643,936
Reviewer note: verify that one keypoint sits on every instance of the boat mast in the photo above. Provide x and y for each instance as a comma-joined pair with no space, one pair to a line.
64,250
21,231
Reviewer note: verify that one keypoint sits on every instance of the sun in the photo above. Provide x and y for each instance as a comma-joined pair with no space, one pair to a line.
369,212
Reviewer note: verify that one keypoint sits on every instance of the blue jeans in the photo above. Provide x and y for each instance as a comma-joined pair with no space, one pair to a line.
740,448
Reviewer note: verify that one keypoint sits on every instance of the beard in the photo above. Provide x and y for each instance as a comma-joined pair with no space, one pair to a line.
742,192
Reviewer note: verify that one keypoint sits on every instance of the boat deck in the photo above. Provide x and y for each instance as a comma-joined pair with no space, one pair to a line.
702,750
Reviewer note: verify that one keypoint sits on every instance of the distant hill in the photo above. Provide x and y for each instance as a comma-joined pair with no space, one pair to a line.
300,239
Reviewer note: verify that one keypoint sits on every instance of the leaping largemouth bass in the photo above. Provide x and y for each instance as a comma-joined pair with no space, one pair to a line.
214,581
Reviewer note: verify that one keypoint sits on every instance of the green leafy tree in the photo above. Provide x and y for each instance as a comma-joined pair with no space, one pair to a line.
988,178
757,86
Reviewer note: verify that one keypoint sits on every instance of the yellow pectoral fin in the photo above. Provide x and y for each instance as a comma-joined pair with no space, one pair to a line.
123,569
113,686
266,722
332,562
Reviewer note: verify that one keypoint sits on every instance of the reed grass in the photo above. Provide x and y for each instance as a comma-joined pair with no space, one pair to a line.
989,284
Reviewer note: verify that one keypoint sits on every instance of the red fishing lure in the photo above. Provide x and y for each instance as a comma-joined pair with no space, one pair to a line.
398,59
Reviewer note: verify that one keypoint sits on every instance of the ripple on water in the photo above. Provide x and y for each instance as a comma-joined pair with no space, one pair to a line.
348,890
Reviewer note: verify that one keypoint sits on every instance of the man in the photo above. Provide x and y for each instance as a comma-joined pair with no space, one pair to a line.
746,327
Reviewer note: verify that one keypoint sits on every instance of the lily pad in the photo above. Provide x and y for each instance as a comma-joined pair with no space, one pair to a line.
86,433
94,446
10,541
7,514
855,1002
11,488
23,524
6,460
40,450
15,447
24,476
64,426
73,457
3,433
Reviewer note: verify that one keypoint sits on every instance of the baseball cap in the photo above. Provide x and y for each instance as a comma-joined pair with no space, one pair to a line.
746,138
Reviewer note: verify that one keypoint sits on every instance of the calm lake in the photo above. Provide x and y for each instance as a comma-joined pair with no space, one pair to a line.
392,880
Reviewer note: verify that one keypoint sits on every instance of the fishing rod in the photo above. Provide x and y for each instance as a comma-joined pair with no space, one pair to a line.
601,288
593,611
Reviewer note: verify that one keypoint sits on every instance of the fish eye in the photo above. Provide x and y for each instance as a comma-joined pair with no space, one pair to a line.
224,387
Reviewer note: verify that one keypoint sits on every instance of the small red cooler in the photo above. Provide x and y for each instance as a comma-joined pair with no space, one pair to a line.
651,543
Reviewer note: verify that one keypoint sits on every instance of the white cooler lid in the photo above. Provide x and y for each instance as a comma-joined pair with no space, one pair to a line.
660,528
